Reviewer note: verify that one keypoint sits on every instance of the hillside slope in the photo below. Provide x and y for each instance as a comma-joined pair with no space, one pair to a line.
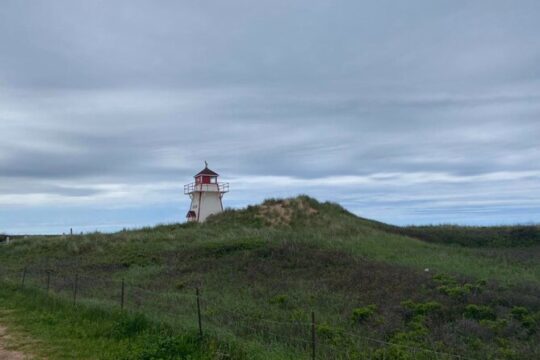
264,269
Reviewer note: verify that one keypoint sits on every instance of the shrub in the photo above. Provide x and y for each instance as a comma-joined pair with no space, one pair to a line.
422,308
415,334
455,292
479,312
449,286
474,288
497,326
523,315
361,314
444,279
519,312
328,334
529,323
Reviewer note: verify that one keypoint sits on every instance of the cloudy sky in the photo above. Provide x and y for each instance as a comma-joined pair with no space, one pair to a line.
408,112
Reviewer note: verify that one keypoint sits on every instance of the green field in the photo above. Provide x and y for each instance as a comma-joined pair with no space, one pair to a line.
376,291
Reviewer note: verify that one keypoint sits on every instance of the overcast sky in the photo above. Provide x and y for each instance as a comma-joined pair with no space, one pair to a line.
408,112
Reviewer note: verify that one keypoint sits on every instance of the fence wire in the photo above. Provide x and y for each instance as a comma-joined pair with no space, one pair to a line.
179,308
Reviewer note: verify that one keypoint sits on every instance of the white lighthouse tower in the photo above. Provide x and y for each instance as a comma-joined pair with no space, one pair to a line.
206,194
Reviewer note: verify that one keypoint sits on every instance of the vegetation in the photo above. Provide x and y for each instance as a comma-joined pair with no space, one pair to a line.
68,332
478,236
363,313
468,236
262,271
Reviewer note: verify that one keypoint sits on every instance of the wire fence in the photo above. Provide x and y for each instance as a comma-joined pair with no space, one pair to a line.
193,308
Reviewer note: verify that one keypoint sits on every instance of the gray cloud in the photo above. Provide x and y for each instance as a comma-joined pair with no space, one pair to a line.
116,105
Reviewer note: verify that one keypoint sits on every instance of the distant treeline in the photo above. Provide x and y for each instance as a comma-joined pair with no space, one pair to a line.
476,236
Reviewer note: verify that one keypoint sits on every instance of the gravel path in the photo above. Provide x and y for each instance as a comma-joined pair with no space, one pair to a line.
6,354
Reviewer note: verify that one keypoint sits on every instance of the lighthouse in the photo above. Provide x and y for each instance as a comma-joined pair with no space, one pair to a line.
206,195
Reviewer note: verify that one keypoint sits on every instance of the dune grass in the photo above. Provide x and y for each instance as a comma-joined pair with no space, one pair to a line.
264,269
332,228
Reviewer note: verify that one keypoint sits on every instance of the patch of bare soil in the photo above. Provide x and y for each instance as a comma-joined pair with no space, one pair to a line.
8,354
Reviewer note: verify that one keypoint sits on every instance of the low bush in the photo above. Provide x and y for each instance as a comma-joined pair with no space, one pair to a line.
426,308
527,320
363,313
519,312
479,312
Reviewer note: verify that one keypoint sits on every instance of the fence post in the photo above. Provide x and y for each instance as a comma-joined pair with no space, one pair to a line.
122,296
199,312
48,281
313,336
23,277
75,288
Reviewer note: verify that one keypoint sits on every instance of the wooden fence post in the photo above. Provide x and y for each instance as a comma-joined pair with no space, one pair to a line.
23,277
313,336
75,289
199,312
122,295
48,281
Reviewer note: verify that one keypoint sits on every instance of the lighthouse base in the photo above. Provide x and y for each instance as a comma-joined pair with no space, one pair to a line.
204,204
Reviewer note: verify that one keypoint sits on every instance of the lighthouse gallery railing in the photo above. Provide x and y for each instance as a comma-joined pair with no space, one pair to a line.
220,187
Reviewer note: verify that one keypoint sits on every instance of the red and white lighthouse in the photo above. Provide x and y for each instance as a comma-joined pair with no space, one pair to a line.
206,195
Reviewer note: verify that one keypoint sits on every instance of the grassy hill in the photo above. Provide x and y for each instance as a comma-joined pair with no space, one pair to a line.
377,291
477,236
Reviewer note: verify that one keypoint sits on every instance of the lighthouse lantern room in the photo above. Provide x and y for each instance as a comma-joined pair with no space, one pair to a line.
206,195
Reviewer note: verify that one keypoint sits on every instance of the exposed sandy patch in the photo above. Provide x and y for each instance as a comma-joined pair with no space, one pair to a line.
8,354
276,214
281,212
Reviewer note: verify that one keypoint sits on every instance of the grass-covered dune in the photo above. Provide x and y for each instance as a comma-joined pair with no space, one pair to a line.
263,270
478,236
502,236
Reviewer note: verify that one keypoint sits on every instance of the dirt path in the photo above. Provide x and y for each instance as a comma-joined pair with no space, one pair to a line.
6,354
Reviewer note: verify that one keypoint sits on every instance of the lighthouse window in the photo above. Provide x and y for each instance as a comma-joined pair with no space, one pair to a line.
213,180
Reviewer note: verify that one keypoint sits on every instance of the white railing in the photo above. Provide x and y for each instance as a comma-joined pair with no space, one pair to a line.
193,187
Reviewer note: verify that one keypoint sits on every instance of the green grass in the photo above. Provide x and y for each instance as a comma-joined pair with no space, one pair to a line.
90,332
331,228
497,264
477,236
263,270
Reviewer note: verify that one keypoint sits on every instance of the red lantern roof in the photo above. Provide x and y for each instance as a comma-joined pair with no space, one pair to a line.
207,171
